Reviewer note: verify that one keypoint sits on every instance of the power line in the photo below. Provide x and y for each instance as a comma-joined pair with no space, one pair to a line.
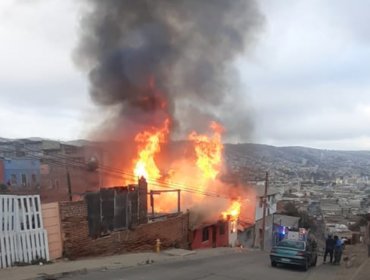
116,171
159,182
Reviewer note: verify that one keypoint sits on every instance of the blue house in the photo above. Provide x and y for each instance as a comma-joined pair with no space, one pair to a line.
20,172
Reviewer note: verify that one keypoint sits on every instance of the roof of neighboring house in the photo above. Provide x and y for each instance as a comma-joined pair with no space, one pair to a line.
50,145
261,191
287,221
206,224
243,225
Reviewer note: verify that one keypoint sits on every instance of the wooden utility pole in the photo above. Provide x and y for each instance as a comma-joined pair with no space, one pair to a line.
69,185
264,212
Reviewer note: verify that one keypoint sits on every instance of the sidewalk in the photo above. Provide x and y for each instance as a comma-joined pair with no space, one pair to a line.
355,263
62,268
363,272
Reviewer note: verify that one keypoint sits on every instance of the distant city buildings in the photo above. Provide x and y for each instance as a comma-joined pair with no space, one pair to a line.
57,171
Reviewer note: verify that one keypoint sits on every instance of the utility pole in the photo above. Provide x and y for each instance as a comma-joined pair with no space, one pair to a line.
69,185
264,212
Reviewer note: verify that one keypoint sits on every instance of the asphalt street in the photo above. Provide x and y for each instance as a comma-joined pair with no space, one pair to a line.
233,266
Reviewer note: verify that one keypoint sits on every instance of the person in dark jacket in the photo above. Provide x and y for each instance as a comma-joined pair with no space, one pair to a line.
329,248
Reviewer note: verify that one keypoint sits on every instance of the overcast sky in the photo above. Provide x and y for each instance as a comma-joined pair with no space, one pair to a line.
306,78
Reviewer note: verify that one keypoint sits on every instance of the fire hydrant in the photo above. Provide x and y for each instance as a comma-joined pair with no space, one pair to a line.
158,245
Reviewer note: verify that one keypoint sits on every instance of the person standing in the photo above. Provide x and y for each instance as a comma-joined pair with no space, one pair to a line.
338,249
329,248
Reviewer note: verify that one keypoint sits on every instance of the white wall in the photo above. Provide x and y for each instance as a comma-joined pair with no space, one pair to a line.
233,234
271,209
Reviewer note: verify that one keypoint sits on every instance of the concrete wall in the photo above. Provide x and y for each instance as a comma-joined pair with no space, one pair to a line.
268,233
77,243
51,220
246,237
271,209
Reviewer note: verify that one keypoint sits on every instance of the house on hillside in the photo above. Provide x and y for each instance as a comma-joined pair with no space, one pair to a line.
211,235
47,164
250,234
20,174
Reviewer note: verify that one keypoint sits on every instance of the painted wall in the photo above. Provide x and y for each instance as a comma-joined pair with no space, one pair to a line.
271,209
15,168
51,220
217,237
232,233
268,233
2,175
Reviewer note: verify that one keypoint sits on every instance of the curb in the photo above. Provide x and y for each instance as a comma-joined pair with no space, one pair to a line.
149,261
60,275
54,276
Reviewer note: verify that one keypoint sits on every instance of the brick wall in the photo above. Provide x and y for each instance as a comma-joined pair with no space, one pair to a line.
172,232
54,184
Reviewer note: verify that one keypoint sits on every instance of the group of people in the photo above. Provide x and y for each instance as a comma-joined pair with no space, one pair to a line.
334,248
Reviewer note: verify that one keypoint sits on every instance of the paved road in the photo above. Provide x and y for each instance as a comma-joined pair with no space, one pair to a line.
233,266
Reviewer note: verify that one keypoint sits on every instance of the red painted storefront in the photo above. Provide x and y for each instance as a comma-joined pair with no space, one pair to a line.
210,236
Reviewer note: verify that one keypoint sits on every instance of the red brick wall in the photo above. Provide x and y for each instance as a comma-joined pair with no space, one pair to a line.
172,232
54,185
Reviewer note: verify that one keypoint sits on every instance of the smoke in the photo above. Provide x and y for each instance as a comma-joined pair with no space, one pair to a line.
151,60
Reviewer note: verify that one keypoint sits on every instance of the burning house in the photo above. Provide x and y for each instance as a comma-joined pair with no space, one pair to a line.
117,208
222,233
163,71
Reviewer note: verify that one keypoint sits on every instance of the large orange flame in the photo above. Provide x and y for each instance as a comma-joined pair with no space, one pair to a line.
149,146
208,151
203,174
232,212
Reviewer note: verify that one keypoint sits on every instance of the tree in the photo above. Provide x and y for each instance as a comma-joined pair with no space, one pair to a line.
291,210
361,222
305,220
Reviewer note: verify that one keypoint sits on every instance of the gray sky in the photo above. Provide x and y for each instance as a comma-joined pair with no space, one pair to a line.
306,78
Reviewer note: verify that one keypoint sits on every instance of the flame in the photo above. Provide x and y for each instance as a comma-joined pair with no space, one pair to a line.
208,151
232,212
149,146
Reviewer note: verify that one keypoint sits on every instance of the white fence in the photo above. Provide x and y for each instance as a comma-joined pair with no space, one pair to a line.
22,236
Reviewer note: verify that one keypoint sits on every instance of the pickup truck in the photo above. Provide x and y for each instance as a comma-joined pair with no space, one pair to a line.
294,252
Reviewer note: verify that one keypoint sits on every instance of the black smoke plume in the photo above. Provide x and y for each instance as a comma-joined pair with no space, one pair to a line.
152,59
